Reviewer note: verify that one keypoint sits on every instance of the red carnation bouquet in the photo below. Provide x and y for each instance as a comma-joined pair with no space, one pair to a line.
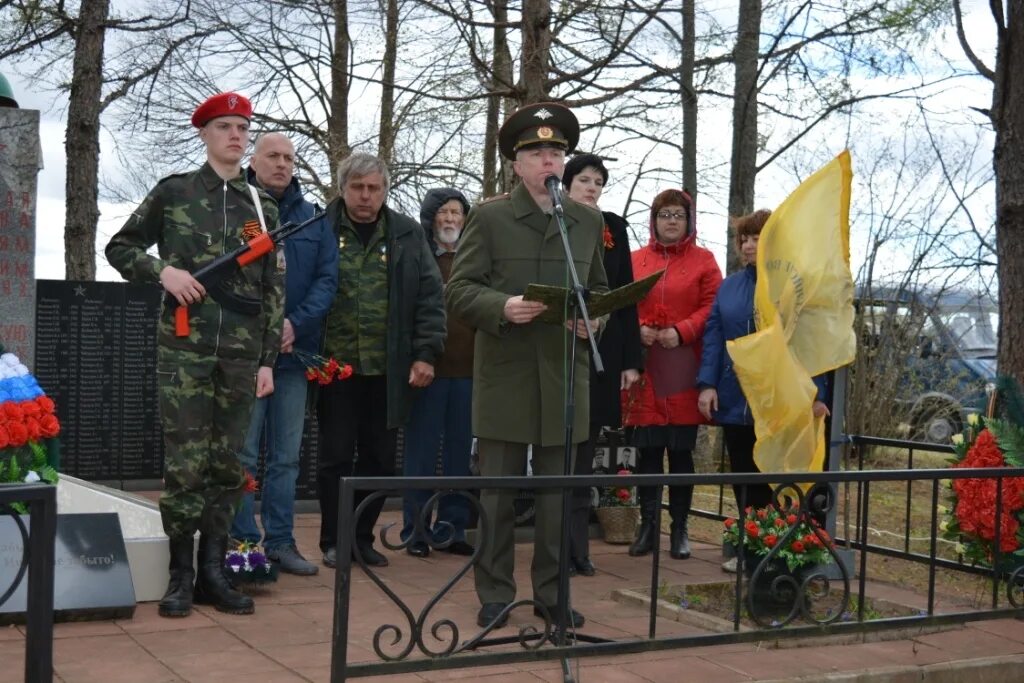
28,427
323,370
972,519
618,496
762,529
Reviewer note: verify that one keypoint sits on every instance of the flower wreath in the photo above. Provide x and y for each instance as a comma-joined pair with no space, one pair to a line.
28,427
971,520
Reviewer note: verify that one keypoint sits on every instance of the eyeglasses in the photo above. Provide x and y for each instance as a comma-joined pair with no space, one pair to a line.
678,215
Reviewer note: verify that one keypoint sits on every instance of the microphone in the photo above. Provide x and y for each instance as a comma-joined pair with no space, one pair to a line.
553,183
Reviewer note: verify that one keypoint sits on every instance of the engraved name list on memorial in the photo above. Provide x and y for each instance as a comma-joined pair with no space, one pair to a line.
96,357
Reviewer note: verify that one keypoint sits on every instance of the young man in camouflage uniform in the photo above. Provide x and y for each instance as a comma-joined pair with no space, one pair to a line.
388,321
210,375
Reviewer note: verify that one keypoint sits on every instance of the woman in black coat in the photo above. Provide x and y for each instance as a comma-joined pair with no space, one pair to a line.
584,179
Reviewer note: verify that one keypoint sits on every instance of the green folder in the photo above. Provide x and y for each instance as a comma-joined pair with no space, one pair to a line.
560,300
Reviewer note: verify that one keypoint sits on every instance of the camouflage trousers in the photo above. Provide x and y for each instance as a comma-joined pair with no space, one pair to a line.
205,406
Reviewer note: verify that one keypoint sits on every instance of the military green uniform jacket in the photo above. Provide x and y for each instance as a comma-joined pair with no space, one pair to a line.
193,218
519,370
414,308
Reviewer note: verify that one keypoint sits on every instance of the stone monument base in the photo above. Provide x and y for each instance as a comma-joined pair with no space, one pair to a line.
144,538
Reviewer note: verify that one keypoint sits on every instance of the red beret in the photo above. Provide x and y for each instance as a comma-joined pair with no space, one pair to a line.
224,104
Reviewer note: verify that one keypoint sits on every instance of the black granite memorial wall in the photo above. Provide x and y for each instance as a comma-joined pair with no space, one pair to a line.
96,357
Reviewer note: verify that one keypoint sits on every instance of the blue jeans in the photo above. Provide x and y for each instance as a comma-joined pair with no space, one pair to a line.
282,414
440,419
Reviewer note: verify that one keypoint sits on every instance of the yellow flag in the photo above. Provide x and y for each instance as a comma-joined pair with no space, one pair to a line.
803,305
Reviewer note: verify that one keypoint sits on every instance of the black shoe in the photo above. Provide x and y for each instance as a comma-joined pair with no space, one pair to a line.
416,549
290,561
644,542
460,548
177,601
370,556
491,612
331,558
212,586
576,619
679,543
582,567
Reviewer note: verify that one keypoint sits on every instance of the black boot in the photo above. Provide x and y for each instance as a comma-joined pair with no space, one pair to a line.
679,542
679,501
212,587
177,601
647,534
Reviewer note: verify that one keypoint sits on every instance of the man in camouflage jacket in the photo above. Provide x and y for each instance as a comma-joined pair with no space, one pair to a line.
388,321
209,376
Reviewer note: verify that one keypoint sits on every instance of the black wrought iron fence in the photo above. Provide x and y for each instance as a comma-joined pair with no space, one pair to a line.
34,559
826,599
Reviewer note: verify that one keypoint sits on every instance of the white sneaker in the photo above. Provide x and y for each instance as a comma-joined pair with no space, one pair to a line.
729,565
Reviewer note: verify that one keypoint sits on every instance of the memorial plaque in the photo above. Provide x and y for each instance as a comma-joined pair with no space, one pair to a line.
91,580
19,166
96,357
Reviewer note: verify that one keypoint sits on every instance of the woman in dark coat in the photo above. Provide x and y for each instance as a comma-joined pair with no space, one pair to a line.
721,398
584,179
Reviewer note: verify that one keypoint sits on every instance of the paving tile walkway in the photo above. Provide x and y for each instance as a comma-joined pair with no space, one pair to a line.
288,639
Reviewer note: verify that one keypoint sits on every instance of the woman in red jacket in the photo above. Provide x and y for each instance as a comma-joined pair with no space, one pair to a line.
662,407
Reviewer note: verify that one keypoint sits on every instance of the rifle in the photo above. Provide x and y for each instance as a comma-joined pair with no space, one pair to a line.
212,275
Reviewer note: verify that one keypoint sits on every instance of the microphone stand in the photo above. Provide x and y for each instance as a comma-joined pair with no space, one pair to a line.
563,618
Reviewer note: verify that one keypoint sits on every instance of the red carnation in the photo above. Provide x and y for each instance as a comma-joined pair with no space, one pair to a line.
49,426
33,428
762,514
18,434
345,372
797,547
791,518
623,495
250,484
752,529
5,438
13,411
779,522
729,522
770,540
31,409
45,404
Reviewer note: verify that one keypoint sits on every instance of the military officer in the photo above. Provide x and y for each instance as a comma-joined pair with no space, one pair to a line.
519,363
210,370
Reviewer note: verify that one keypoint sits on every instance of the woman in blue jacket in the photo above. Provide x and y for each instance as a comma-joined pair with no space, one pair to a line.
721,399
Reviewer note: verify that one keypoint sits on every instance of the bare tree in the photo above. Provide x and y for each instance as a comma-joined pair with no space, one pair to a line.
46,36
743,167
1007,118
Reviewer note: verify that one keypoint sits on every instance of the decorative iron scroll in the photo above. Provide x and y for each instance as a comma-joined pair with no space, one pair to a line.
443,630
1014,587
792,594
23,568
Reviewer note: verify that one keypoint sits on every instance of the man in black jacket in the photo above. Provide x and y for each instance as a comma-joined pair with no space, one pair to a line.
388,322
